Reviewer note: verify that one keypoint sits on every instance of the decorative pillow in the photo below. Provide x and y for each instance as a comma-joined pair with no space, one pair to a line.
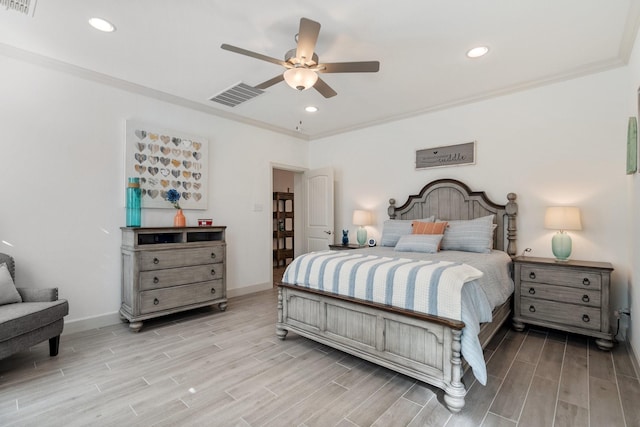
420,227
392,229
8,291
427,243
475,235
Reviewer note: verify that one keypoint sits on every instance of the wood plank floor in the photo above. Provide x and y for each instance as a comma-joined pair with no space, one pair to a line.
214,368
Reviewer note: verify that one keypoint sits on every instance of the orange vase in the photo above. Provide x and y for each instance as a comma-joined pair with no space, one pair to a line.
179,220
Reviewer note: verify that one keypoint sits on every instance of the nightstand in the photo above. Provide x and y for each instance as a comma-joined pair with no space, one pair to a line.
345,247
572,296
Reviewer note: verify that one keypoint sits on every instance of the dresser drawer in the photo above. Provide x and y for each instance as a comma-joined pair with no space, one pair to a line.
561,294
564,276
565,314
155,260
168,298
179,276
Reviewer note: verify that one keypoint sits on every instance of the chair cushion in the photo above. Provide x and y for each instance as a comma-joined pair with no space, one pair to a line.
18,319
8,291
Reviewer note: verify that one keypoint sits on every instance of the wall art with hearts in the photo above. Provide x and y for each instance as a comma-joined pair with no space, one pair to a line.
449,155
164,159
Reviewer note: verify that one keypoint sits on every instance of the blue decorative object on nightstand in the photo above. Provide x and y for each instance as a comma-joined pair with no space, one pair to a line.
345,237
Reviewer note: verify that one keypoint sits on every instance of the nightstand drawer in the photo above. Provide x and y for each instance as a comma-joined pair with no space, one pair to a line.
557,312
560,294
558,276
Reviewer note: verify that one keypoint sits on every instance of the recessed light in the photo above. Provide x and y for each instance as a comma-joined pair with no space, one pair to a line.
311,109
477,52
102,25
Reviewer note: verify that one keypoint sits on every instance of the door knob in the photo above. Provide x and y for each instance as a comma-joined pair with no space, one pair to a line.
328,232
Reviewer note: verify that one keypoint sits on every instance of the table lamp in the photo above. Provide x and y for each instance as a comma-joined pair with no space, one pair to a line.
361,218
562,218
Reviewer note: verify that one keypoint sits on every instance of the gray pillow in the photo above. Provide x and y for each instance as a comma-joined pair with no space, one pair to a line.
427,243
393,229
475,235
8,292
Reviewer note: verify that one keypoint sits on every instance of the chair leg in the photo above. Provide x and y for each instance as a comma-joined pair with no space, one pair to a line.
54,346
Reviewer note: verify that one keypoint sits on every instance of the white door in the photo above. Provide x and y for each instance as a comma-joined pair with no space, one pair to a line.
319,209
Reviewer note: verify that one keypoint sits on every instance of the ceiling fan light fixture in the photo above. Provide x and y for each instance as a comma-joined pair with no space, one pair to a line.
300,78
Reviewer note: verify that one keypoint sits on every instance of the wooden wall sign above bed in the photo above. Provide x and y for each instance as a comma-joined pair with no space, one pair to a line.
449,155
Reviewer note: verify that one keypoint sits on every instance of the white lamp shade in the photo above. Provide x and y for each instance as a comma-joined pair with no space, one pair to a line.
300,78
361,217
562,218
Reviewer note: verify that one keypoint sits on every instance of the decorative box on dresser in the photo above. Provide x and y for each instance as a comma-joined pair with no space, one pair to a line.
572,296
166,270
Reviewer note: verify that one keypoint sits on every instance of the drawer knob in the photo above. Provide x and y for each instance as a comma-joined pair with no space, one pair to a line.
156,261
532,275
585,298
156,301
586,281
156,280
213,272
532,291
213,255
532,309
585,318
213,290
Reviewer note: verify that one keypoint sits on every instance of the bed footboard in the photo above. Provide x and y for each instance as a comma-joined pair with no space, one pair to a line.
422,349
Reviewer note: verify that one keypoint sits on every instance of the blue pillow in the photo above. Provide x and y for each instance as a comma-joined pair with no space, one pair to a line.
427,243
475,235
393,229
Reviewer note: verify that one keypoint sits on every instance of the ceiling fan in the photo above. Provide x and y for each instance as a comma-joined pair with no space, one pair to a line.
302,65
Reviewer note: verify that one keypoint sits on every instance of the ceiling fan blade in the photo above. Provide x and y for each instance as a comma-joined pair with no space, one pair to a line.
270,82
324,89
307,38
349,67
253,54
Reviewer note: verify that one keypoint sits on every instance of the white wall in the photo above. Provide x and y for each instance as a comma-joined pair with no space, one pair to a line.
62,141
560,144
633,188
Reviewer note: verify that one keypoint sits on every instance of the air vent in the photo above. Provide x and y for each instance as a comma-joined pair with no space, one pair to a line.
236,95
27,7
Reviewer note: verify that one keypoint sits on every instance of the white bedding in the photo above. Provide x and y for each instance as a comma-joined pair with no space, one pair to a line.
478,298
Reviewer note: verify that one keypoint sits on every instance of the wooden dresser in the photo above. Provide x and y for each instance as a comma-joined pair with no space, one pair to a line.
572,296
167,270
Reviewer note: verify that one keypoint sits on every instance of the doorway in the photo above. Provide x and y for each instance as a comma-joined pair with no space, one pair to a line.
286,219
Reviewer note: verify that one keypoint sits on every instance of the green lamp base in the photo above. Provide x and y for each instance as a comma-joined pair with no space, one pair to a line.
362,236
561,246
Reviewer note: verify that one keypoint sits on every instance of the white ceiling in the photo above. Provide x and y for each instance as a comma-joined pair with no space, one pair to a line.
170,49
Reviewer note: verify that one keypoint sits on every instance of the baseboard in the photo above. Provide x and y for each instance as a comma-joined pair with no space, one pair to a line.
634,358
231,293
80,325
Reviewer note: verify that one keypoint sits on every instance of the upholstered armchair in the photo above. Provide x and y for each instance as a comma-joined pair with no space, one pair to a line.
28,316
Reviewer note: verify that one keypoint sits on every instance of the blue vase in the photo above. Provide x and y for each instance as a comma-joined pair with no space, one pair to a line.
345,237
134,213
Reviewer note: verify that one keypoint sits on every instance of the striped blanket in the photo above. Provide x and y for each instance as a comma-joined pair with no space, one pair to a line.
431,287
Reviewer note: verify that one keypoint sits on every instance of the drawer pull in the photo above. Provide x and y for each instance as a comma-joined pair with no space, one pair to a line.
156,301
532,275
532,291
532,309
213,255
585,318
213,290
156,280
156,261
586,281
585,298
213,272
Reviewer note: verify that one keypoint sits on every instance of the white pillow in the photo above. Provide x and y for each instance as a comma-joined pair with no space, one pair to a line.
8,291
475,235
393,229
427,243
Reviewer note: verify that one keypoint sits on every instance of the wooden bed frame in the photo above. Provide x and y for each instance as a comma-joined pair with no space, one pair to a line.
421,346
